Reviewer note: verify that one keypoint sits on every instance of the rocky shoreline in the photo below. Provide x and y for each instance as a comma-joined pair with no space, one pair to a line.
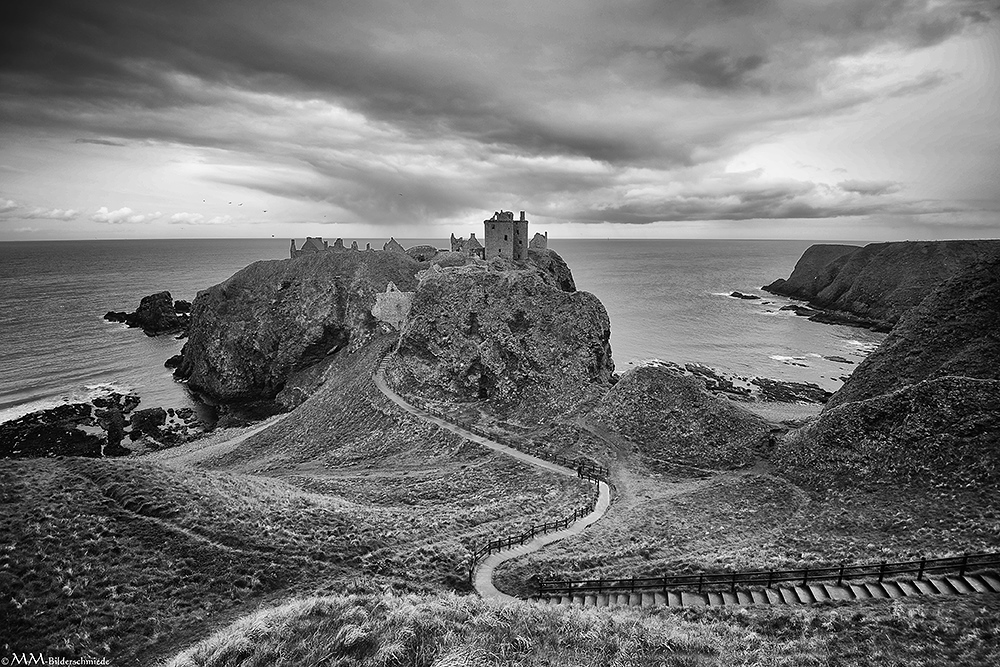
109,425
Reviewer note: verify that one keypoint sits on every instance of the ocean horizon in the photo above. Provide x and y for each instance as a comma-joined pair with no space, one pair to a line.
668,299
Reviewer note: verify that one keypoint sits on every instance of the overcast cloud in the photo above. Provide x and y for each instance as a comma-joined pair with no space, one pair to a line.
160,118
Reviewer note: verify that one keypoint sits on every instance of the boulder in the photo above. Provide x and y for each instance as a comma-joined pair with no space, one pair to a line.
147,422
58,431
157,314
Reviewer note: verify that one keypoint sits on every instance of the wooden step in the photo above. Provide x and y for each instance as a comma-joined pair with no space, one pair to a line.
860,592
960,585
773,596
660,599
990,579
759,597
908,588
674,599
977,583
715,599
565,600
876,591
926,587
892,589
577,600
788,596
620,599
589,600
944,586
634,599
729,598
819,592
693,599
647,600
603,600
804,594
842,592
744,597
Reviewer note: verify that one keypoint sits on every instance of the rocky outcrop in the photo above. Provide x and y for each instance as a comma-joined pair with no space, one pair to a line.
157,314
671,418
504,333
874,285
944,432
954,331
75,429
553,266
274,319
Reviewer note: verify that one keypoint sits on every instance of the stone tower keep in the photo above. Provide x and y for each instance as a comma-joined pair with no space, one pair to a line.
506,237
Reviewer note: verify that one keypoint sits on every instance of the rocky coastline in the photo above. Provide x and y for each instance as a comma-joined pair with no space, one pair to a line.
156,315
873,286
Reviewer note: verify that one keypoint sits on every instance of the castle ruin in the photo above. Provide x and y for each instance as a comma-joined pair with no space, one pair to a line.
506,237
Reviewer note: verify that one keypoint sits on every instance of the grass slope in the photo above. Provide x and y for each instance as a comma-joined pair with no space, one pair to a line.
442,631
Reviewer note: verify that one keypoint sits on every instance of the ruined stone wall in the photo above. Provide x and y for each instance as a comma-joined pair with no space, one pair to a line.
505,236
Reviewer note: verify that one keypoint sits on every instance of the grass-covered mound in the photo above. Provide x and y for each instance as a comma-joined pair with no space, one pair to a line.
672,419
389,631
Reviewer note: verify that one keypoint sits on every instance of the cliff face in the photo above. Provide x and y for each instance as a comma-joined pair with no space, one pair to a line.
506,334
671,418
272,319
954,331
924,408
876,284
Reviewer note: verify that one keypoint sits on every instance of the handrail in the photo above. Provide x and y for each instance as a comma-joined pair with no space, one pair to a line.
508,542
767,578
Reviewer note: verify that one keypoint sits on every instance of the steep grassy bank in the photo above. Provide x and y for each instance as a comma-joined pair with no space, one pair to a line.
419,632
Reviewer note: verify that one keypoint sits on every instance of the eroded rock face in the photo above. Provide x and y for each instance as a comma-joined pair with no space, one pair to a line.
875,285
954,331
506,334
672,419
943,431
274,319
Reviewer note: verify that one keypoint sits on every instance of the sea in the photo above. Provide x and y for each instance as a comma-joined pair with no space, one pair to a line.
668,300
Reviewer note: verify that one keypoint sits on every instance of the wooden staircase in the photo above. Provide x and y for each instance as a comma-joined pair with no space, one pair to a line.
983,582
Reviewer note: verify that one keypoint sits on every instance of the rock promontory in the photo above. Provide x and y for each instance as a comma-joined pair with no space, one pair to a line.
955,331
924,408
508,333
875,285
274,319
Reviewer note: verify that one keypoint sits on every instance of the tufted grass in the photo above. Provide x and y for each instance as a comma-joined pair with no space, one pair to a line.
449,630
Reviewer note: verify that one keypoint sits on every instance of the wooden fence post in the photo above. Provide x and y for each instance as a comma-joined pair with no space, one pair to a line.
770,577
881,571
840,575
805,576
920,574
701,580
965,564
733,588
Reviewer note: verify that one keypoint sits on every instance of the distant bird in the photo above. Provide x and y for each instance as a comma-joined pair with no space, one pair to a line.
400,194
202,201
241,203
230,202
265,210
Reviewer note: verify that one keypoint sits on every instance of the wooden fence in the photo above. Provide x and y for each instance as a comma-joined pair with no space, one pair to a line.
767,578
510,541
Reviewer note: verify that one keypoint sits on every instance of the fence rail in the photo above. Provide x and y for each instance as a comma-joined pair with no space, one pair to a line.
767,578
585,469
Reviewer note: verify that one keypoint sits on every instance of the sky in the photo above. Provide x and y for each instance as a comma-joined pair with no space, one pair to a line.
801,119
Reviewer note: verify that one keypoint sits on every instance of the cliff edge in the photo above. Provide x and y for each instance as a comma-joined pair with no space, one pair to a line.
875,285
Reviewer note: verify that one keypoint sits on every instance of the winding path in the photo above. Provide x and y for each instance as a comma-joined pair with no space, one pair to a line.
483,580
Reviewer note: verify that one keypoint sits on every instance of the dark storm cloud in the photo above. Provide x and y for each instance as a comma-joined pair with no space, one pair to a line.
874,188
583,79
99,142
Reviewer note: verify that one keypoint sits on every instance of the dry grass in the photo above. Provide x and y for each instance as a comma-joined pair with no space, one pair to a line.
449,630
